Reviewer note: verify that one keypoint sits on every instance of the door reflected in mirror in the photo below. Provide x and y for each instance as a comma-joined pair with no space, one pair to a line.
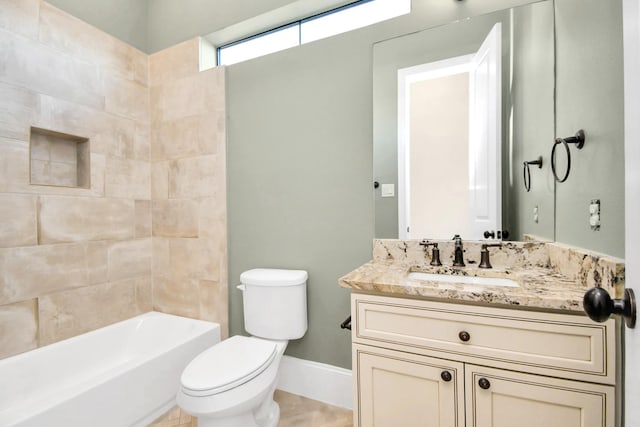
522,128
451,109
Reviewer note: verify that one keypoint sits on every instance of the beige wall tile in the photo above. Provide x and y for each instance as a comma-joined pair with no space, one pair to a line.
128,178
144,294
18,220
159,180
196,177
17,108
57,114
75,311
14,164
175,139
188,137
213,80
53,147
18,327
143,218
20,16
73,219
32,271
214,305
213,133
195,259
175,218
181,298
181,60
98,171
161,257
127,98
129,259
108,134
15,176
64,32
190,96
30,64
54,173
102,94
116,137
142,142
97,261
213,218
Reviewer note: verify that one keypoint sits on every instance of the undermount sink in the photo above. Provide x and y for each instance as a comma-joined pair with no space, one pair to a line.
466,280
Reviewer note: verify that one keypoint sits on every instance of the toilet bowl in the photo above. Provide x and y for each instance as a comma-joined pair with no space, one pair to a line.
232,383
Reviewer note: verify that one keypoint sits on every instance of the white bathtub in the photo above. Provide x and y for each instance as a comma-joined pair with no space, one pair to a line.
123,375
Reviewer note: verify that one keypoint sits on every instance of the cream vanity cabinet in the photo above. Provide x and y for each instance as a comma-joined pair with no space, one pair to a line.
425,363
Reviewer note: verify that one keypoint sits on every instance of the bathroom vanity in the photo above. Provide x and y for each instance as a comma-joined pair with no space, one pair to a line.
455,353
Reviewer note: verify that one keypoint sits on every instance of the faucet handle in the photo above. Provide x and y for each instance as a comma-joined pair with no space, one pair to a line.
435,252
484,254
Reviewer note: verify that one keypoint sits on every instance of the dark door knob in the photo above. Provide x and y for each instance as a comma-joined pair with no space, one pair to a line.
464,336
446,376
488,234
484,383
598,305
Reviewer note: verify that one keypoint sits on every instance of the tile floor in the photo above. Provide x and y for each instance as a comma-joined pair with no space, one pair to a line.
298,411
295,411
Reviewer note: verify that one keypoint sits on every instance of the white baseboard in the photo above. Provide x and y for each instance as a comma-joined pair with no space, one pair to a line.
317,381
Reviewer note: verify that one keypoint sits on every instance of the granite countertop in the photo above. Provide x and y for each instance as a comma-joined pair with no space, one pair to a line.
539,288
551,276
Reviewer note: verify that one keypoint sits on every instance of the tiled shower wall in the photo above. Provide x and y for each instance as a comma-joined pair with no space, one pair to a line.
75,259
188,188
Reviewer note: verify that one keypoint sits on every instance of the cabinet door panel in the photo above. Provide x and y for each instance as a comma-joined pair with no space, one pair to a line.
398,389
512,398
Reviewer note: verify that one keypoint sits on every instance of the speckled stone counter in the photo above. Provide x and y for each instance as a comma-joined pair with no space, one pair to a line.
550,276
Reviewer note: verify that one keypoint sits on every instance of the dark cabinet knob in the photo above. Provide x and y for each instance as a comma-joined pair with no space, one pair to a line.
488,234
464,336
446,376
484,383
599,306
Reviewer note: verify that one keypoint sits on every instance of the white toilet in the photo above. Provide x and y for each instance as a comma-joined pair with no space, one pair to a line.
232,383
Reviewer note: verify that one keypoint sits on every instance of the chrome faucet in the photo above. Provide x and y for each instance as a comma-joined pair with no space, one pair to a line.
458,260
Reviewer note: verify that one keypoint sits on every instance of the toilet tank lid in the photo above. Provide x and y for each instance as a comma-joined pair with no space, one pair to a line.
273,277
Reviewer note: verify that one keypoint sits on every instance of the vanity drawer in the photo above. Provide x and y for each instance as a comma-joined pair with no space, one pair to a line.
571,346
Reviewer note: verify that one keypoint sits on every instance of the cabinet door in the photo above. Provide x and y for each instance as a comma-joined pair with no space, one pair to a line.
400,389
497,398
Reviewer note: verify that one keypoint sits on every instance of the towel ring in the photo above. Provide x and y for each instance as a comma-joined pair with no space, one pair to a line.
578,139
527,173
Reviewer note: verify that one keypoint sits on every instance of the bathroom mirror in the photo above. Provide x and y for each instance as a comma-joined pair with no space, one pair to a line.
437,123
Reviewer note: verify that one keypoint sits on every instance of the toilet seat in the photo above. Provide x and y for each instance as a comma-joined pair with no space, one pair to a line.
227,365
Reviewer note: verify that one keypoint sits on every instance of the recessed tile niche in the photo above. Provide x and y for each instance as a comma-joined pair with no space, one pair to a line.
59,159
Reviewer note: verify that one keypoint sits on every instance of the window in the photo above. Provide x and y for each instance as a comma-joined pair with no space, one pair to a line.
337,21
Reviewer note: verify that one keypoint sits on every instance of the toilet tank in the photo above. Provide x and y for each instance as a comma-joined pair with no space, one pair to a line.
275,303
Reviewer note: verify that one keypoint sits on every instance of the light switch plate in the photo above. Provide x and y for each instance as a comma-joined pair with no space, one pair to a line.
388,190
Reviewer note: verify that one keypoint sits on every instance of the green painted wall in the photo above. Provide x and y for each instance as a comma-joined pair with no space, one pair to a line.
589,95
300,157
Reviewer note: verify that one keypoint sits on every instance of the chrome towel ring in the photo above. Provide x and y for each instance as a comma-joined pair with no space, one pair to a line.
578,139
